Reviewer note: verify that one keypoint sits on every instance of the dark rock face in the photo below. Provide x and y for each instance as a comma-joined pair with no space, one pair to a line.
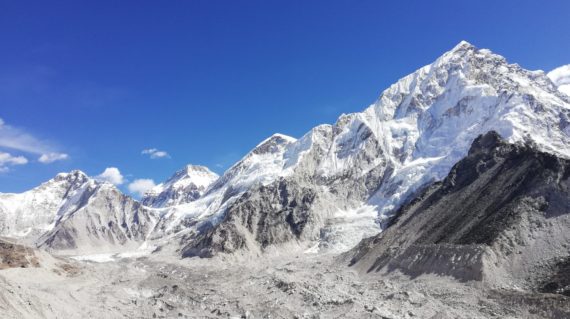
268,215
502,198
489,181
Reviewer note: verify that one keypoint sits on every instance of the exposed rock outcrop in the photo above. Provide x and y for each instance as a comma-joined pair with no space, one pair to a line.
270,215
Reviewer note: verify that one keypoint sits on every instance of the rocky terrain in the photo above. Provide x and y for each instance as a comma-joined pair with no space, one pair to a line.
293,286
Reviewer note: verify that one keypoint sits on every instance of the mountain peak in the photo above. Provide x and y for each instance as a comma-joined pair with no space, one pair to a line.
199,175
277,138
273,143
74,175
465,53
463,46
191,168
186,185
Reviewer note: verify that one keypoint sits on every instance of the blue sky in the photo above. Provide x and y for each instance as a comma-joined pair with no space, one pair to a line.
90,85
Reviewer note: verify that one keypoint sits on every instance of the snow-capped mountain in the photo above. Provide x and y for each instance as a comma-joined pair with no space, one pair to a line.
428,119
36,210
74,211
260,166
186,185
359,170
326,190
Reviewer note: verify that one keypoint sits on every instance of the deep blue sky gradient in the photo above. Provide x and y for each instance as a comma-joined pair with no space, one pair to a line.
208,80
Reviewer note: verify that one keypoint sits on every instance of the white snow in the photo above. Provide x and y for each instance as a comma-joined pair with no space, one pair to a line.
144,250
98,258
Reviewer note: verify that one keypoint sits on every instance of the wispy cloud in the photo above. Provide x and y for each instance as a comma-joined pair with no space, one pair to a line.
140,186
111,175
154,153
7,160
18,139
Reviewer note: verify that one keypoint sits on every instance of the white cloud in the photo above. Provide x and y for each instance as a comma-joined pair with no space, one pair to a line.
159,154
561,78
7,159
155,153
149,151
111,175
20,140
560,75
52,157
141,186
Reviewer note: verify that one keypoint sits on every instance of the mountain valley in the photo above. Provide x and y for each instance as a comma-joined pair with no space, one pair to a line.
448,197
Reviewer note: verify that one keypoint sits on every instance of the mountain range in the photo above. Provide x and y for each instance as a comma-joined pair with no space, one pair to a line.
323,192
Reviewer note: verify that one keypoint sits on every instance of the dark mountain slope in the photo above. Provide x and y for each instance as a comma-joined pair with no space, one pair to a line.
501,216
